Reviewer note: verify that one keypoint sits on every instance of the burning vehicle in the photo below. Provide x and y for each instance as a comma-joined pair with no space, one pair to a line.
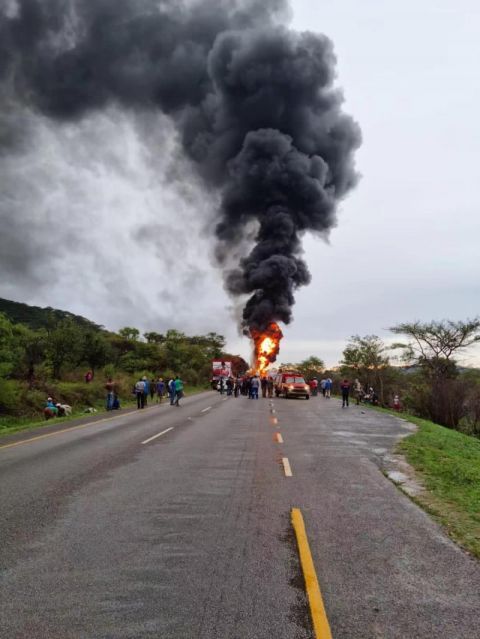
266,347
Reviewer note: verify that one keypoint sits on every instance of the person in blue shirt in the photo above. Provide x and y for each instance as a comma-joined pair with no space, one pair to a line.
160,390
328,387
147,388
50,409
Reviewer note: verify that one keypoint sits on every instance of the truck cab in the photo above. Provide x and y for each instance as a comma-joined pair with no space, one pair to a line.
291,384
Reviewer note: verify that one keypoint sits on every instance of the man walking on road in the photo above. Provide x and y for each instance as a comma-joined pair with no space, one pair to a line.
345,388
322,386
178,390
140,393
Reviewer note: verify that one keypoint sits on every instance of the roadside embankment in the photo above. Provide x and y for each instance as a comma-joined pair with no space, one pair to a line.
10,424
448,465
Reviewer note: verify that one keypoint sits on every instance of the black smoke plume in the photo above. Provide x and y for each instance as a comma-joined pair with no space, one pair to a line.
254,104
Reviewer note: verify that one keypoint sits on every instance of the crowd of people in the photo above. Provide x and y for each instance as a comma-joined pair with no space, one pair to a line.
158,389
251,386
248,385
55,409
144,390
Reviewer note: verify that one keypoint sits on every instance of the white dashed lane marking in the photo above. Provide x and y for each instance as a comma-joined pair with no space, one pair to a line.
286,467
150,439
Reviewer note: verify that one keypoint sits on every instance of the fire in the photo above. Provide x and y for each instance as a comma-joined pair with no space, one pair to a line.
266,347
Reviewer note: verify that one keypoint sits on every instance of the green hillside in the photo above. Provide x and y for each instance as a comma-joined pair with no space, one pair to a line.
35,317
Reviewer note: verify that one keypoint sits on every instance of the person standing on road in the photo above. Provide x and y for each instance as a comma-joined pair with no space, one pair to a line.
140,393
110,388
254,386
322,386
328,388
153,388
264,386
160,390
357,391
146,390
178,390
270,387
345,388
171,390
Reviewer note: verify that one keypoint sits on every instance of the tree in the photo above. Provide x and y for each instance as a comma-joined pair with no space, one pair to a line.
311,367
432,345
64,345
96,350
154,338
9,348
34,345
129,332
365,357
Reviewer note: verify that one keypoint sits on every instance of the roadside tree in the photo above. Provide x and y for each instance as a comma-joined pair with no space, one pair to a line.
311,367
432,347
365,358
64,346
96,350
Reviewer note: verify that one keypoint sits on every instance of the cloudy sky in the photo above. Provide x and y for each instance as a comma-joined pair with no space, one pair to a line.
138,251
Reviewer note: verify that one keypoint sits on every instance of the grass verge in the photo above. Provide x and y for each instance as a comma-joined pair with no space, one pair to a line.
11,425
448,464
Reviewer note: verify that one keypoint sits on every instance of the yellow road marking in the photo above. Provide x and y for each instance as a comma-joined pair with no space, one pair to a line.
317,609
286,467
279,438
65,430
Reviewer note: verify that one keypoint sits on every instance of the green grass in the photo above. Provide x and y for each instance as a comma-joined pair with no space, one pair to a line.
10,425
448,463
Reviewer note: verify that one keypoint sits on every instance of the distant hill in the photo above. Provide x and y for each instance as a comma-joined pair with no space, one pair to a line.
36,317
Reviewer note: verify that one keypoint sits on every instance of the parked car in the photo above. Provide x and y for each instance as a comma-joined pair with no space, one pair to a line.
291,384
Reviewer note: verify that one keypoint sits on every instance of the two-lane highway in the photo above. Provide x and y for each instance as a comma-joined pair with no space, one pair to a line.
183,536
176,523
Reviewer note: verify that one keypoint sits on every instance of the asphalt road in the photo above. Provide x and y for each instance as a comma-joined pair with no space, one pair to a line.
189,536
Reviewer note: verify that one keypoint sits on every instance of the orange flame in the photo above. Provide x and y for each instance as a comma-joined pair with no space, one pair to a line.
266,347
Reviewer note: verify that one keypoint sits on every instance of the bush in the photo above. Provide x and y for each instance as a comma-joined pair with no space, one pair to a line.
10,397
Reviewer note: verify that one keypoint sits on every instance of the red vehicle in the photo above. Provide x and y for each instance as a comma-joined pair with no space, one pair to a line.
221,370
291,384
